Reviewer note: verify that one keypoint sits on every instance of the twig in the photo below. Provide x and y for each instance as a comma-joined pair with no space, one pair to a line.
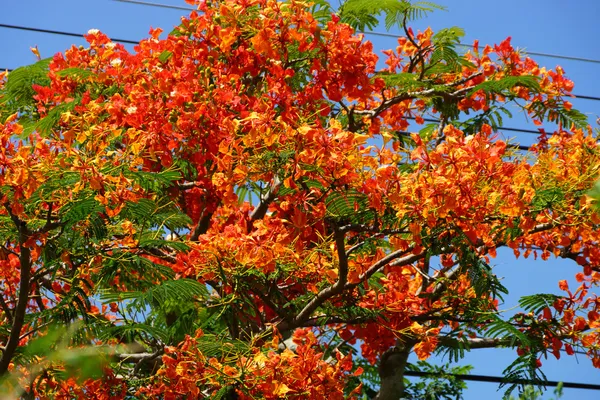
414,43
34,330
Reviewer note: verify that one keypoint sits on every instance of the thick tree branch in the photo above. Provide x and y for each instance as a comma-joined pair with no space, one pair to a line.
393,362
330,291
401,258
321,320
422,93
260,211
147,358
134,357
391,370
50,224
188,185
396,258
202,226
475,343
23,298
158,253
372,229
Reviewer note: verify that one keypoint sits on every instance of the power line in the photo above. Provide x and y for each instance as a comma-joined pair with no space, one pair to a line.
127,41
533,53
497,379
62,33
580,96
162,5
145,3
520,130
519,147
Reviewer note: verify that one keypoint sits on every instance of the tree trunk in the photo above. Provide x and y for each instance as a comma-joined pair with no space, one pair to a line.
391,371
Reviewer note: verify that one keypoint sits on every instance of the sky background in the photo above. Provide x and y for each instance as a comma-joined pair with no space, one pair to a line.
550,26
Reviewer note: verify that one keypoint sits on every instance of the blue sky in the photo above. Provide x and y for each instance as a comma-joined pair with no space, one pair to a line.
551,26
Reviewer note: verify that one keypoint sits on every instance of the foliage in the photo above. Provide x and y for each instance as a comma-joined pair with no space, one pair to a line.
442,385
532,393
235,210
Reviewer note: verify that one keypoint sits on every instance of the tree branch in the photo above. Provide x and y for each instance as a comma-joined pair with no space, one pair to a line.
391,370
475,343
371,229
321,320
330,291
49,225
260,211
401,258
202,226
422,93
419,51
23,298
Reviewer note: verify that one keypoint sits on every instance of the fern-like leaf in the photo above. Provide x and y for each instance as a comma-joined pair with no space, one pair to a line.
17,93
537,302
170,291
363,14
505,84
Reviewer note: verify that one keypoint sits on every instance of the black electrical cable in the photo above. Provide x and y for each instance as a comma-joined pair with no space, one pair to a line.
533,53
127,41
519,147
152,4
53,32
147,3
520,130
497,379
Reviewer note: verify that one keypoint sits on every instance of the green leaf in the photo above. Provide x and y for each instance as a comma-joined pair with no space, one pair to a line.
17,93
81,210
132,329
350,206
546,198
45,125
404,81
594,193
537,302
165,56
170,291
75,73
362,14
505,84
42,345
499,328
321,10
154,181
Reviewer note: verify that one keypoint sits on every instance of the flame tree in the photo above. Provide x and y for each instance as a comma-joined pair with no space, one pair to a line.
235,209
